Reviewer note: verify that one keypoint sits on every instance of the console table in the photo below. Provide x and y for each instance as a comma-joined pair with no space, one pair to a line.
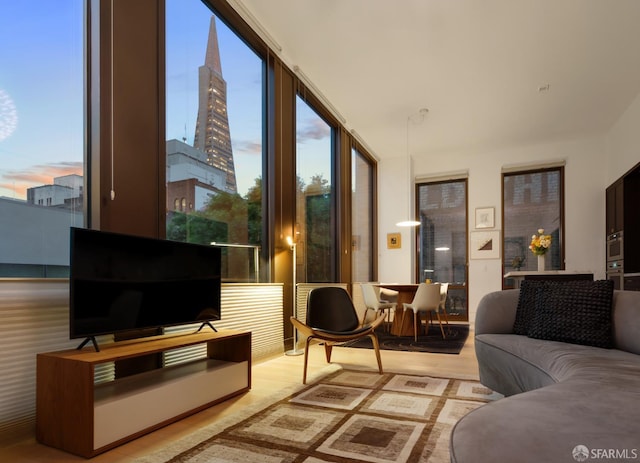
562,275
83,418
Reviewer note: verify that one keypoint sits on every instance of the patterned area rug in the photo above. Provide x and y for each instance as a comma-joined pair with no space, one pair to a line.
348,416
430,342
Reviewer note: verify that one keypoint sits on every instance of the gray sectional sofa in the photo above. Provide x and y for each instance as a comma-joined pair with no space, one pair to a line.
564,402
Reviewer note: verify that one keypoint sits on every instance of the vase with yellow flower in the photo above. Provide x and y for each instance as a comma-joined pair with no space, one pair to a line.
539,245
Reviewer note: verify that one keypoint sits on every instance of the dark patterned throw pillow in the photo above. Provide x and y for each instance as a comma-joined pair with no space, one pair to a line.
577,312
531,292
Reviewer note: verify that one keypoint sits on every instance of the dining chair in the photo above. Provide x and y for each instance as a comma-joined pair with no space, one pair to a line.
427,299
444,292
372,302
332,318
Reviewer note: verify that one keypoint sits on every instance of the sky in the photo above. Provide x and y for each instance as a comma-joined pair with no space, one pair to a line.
41,93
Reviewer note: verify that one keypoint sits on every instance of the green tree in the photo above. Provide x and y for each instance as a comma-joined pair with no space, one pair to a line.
195,228
318,229
254,212
231,209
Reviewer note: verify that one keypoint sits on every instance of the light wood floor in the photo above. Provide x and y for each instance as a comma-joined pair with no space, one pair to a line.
277,374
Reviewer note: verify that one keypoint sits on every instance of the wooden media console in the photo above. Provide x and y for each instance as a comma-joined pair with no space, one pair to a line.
76,415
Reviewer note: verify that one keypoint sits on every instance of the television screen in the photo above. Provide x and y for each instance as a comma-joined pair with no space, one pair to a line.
122,282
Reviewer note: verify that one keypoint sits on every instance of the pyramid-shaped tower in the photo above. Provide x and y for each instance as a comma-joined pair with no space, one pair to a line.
212,125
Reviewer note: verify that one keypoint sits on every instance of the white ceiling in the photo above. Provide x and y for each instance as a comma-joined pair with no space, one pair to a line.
477,65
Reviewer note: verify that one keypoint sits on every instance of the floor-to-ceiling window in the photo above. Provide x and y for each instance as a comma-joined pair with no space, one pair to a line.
218,196
532,200
362,217
442,240
41,135
214,130
315,198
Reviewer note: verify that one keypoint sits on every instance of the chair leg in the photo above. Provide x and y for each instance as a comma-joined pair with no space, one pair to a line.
366,312
415,326
306,357
327,350
446,318
387,327
376,347
440,322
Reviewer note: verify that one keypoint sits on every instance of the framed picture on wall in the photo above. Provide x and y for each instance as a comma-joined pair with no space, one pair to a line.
484,244
394,240
485,217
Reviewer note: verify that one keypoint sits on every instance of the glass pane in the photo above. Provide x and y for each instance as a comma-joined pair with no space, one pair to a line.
214,137
314,203
531,201
41,135
362,217
442,236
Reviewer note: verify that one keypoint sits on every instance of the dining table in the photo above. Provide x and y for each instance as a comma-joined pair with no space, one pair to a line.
401,326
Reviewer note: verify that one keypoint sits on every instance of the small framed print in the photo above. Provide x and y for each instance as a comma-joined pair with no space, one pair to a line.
355,242
485,244
394,240
485,217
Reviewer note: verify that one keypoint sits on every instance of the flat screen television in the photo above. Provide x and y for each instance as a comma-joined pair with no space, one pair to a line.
123,282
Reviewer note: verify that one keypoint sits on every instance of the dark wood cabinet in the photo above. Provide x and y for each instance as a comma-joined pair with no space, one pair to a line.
631,221
622,200
615,207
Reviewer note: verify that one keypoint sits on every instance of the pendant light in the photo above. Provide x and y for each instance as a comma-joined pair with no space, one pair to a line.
415,118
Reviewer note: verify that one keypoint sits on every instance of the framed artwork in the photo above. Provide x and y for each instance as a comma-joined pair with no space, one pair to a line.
355,242
394,240
485,217
485,244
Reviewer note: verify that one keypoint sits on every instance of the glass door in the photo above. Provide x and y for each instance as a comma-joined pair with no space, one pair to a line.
442,240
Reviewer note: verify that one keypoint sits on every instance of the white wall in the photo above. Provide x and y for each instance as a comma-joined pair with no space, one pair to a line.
585,182
623,142
394,265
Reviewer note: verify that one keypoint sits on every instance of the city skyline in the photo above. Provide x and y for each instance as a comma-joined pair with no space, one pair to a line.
53,109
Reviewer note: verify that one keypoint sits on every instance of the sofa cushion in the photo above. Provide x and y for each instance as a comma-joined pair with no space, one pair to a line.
547,424
523,364
626,322
577,312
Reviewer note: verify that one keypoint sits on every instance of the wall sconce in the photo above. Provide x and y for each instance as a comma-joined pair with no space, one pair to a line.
292,246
